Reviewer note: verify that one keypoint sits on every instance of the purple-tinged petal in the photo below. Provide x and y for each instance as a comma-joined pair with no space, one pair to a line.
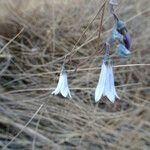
101,83
127,41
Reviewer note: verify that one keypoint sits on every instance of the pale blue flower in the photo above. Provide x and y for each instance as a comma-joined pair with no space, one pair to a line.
106,85
62,87
122,51
116,35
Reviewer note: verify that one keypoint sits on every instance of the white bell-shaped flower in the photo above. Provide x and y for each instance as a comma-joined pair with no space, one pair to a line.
106,85
62,87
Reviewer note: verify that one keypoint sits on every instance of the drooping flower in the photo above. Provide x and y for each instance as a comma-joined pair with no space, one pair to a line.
106,85
122,51
62,87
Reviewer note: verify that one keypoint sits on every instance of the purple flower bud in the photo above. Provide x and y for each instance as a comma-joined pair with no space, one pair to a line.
127,41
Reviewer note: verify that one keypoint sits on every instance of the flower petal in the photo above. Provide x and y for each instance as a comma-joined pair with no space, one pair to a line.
120,25
107,83
116,35
57,90
122,51
111,79
113,85
101,83
108,91
65,89
62,86
127,41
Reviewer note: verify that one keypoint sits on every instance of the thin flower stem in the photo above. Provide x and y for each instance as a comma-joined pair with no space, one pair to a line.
99,37
90,40
74,50
92,56
94,38
107,51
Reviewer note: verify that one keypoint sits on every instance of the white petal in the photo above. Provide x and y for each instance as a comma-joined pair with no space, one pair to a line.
57,90
101,83
69,93
116,35
109,84
64,85
65,92
127,52
65,89
111,80
114,89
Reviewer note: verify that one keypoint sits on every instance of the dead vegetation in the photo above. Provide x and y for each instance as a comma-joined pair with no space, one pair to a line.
33,41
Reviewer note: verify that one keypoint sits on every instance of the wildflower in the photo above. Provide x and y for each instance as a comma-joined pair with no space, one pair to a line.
62,87
106,85
122,51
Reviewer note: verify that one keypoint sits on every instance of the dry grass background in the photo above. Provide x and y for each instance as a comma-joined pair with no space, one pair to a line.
30,117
